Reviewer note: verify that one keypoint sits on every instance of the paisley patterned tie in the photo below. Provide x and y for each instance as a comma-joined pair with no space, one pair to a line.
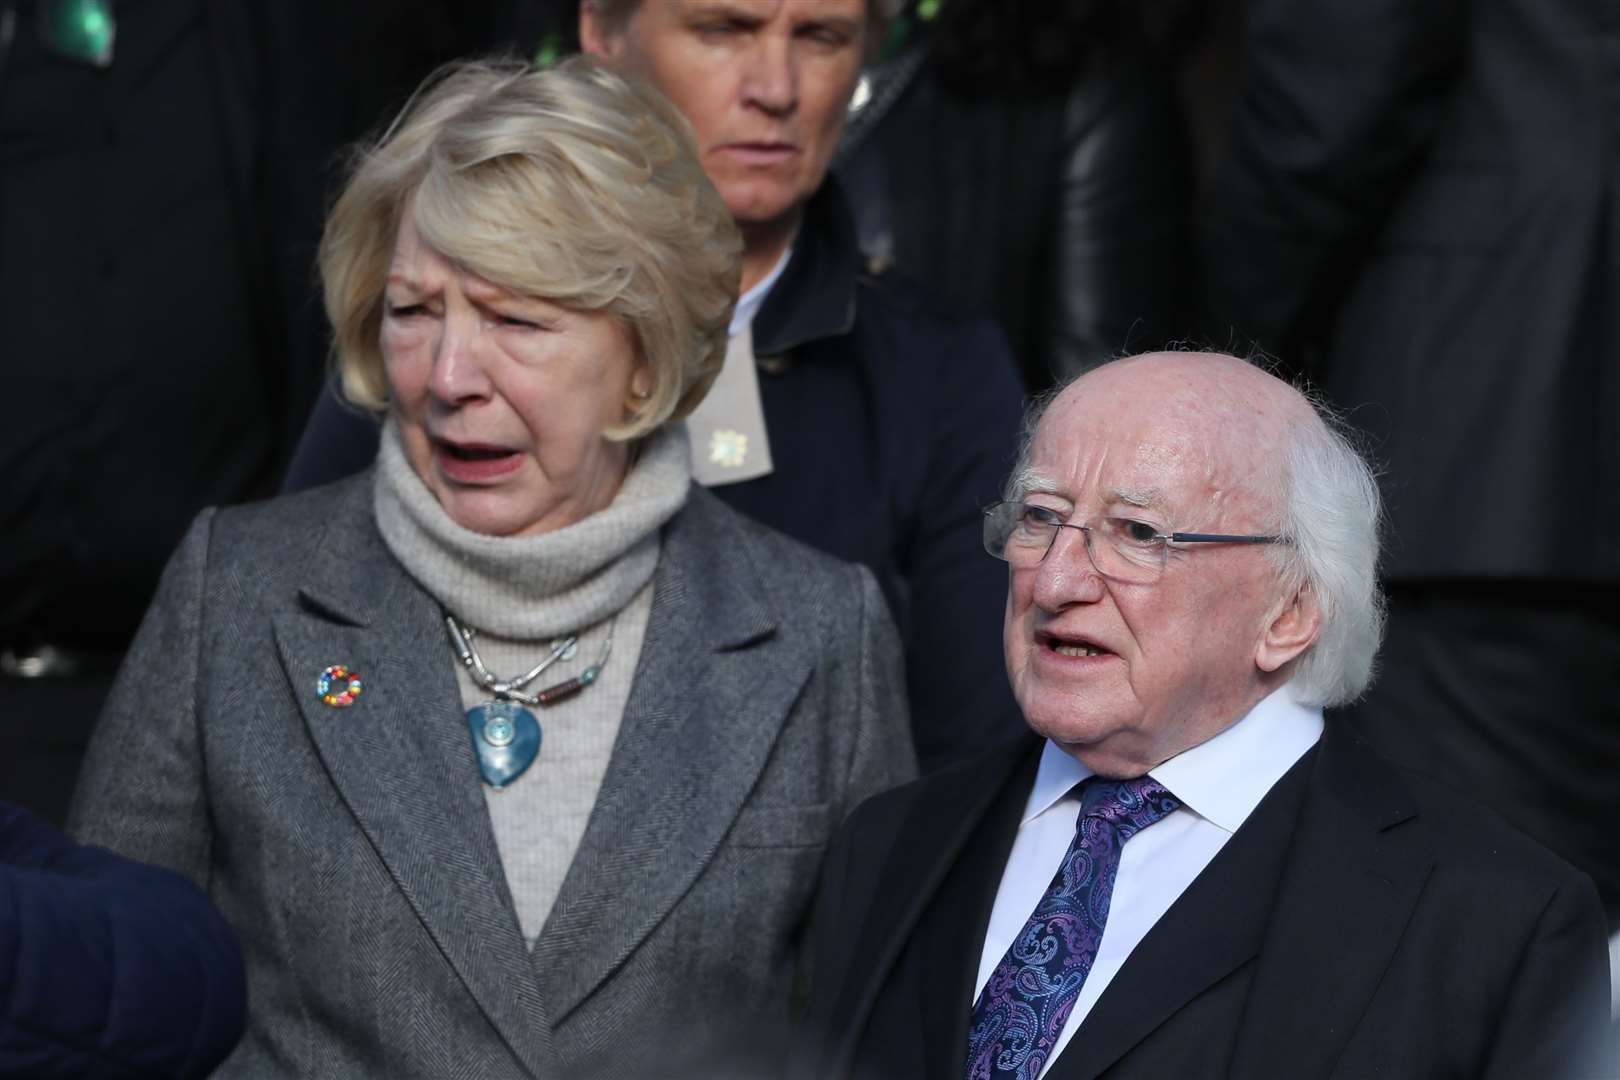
1023,1007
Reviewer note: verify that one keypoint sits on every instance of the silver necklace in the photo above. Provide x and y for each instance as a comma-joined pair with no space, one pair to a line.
505,735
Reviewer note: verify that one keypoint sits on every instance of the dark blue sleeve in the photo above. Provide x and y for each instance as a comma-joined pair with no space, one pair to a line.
108,967
960,699
338,441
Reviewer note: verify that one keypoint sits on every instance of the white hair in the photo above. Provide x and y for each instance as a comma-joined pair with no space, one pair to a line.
1330,516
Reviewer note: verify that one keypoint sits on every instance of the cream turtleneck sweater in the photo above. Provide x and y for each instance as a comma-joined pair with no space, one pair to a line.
520,593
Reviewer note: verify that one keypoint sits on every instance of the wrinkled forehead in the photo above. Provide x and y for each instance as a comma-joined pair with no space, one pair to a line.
1186,455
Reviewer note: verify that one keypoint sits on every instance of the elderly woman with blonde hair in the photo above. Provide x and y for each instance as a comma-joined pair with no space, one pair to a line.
517,755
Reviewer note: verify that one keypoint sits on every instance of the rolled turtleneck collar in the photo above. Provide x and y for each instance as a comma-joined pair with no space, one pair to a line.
531,587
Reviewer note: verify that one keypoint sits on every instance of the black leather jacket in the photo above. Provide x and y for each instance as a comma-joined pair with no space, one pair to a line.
1062,214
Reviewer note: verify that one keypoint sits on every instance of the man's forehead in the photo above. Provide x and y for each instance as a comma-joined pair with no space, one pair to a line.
1144,453
1140,469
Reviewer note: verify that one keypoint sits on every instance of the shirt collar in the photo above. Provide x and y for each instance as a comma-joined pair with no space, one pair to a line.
749,303
1222,779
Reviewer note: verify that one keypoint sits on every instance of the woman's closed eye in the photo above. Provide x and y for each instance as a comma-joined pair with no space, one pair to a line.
516,322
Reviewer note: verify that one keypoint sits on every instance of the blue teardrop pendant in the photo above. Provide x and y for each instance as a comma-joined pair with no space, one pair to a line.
506,738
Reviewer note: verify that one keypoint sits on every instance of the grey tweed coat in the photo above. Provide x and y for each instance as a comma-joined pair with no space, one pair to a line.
351,848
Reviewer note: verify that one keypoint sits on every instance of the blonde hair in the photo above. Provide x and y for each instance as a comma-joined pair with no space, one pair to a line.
572,184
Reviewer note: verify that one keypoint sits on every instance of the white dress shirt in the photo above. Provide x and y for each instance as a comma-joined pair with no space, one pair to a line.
1219,783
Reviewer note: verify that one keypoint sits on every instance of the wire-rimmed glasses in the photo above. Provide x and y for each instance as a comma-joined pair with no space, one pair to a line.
1120,548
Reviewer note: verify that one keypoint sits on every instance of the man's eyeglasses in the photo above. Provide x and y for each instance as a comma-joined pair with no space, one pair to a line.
1120,548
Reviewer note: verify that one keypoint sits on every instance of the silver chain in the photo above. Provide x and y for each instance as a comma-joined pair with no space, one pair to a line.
512,689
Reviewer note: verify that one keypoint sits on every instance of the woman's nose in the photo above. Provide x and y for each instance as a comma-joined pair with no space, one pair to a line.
459,375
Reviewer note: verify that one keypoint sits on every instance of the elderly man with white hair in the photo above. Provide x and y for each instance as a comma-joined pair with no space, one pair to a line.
1185,872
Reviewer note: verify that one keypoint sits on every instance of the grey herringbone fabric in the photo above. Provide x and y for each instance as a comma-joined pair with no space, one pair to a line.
352,850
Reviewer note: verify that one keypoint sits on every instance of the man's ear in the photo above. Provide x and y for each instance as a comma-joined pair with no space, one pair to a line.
1294,628
594,37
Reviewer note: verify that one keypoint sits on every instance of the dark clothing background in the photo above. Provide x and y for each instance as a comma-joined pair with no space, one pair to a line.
1061,211
1421,207
160,337
892,422
145,374
113,968
1421,210
1527,678
45,725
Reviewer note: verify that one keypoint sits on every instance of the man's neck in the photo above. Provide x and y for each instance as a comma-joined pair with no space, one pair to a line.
763,245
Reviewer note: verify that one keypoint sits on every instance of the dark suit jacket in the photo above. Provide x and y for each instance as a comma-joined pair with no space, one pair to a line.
1422,207
352,850
1357,925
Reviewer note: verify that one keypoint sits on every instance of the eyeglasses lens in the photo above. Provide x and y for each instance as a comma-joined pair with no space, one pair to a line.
1024,539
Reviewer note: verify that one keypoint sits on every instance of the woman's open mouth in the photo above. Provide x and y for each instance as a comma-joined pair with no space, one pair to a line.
474,463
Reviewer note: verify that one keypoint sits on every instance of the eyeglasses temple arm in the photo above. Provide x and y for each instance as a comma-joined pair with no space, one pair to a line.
1221,538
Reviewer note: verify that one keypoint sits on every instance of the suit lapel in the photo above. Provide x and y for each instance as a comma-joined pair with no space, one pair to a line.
947,821
950,971
713,686
1353,878
1213,928
400,759
1341,879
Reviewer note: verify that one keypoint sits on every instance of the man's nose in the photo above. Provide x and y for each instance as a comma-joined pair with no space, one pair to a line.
771,75
1068,575
458,370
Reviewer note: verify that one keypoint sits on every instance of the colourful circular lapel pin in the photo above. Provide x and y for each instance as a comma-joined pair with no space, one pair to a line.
338,686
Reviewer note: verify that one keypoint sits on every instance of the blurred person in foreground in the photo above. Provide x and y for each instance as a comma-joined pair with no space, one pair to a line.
1182,871
112,968
855,411
516,754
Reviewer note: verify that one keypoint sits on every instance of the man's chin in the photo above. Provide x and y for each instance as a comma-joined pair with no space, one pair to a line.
1105,743
1069,727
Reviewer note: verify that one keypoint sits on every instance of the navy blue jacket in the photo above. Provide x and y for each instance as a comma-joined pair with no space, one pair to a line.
108,967
892,421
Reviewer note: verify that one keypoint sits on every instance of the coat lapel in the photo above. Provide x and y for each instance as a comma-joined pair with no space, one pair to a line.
946,818
401,761
1353,878
1213,928
1340,879
713,686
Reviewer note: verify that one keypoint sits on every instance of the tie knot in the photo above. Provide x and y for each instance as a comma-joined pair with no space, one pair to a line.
1132,805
